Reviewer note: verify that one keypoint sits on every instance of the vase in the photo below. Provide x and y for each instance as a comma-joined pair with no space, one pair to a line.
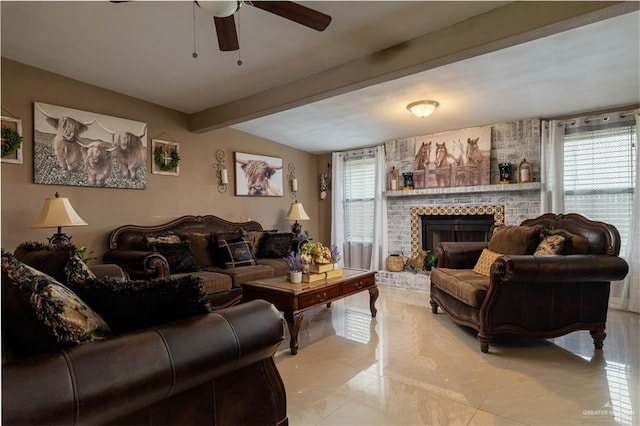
295,276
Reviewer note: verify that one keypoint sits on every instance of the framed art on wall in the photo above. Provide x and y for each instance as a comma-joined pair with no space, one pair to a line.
82,148
11,140
258,175
166,157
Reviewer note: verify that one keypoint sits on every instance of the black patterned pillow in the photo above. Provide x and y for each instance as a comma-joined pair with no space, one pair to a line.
179,256
235,252
77,271
148,240
137,304
44,314
275,246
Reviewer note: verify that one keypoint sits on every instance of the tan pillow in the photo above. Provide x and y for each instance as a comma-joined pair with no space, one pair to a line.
552,244
486,259
515,239
200,247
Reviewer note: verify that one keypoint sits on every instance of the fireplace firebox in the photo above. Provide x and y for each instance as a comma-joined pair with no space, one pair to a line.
438,228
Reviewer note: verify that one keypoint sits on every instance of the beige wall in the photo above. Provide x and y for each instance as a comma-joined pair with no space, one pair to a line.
194,191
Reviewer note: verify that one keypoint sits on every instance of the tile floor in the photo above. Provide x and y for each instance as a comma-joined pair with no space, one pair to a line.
410,367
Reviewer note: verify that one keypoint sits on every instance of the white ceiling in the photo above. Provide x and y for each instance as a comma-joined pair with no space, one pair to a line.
144,49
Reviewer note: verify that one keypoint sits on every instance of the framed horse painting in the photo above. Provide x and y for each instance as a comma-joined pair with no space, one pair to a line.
455,158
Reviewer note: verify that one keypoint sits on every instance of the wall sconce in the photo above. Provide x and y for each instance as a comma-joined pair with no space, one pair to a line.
56,213
293,181
222,174
422,109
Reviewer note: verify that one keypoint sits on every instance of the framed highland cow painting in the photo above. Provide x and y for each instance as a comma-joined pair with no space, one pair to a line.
258,175
82,148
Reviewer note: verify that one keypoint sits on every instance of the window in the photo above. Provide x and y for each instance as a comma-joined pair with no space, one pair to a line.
359,198
599,172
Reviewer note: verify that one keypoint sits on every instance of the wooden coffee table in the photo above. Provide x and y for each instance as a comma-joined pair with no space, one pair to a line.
294,299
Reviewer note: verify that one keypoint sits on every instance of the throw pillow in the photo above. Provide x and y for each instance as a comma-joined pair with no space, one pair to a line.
254,238
515,239
43,314
178,255
235,253
275,246
575,244
552,244
50,261
200,247
137,304
76,270
148,240
486,259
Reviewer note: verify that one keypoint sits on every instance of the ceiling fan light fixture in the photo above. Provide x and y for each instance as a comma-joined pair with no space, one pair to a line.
422,109
220,9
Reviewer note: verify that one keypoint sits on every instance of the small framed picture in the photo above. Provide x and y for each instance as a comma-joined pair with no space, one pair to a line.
11,140
166,157
258,175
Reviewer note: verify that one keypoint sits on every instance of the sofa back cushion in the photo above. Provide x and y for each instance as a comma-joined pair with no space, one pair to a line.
201,247
515,239
50,261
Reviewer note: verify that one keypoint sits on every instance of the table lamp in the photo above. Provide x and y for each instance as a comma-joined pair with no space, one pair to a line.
296,213
56,213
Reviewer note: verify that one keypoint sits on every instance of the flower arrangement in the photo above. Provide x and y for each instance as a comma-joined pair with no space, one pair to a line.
294,260
315,253
335,254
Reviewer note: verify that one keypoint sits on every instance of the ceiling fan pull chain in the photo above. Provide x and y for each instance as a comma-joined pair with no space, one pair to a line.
239,60
195,53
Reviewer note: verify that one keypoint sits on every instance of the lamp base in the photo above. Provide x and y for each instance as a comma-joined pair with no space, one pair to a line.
59,240
296,228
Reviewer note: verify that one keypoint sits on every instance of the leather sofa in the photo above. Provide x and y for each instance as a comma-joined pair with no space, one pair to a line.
214,369
223,285
540,296
204,368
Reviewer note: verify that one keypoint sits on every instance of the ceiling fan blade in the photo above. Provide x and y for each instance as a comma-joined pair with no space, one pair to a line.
226,32
296,13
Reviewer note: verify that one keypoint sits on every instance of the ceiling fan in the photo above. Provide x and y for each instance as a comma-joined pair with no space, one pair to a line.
223,11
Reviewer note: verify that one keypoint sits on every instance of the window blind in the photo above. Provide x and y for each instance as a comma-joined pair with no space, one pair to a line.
599,172
359,197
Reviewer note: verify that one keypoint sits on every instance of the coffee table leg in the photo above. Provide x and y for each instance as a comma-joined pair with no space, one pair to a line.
373,296
293,321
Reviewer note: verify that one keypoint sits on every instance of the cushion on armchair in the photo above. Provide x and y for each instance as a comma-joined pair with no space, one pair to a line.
515,239
486,259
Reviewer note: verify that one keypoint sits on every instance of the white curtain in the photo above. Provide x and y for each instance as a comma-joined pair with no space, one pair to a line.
625,294
380,214
552,188
363,255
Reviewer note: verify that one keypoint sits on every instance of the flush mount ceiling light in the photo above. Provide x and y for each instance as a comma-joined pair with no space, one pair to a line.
422,109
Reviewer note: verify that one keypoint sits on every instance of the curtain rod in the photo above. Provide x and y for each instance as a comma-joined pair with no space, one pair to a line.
603,117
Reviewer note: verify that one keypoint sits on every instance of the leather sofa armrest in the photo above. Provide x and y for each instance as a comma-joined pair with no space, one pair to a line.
510,269
459,255
144,264
97,382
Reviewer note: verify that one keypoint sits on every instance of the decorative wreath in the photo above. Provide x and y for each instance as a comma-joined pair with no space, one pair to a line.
162,163
11,140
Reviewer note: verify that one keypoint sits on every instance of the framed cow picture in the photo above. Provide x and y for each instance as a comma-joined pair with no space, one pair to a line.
82,148
258,175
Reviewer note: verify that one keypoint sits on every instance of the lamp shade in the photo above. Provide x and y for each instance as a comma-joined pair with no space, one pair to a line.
57,212
422,109
296,212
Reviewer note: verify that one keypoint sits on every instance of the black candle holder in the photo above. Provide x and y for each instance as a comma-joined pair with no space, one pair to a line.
505,172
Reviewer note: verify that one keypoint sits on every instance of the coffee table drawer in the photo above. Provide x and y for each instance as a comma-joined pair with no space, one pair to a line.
357,285
318,297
